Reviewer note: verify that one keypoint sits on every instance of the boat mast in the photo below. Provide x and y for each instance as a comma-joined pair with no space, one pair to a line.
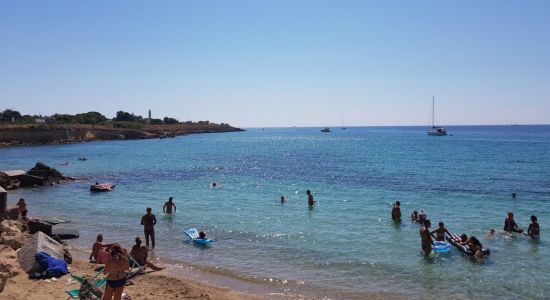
433,112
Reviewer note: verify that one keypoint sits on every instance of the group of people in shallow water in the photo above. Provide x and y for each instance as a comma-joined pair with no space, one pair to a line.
117,259
471,243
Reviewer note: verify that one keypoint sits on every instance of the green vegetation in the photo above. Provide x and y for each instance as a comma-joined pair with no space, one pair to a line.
121,120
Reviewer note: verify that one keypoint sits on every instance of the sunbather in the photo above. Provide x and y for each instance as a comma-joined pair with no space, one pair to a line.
98,246
116,270
139,253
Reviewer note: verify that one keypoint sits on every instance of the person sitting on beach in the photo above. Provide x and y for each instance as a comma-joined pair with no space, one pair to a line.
167,208
139,253
116,270
475,247
310,200
22,208
510,225
202,235
534,229
98,245
396,211
414,217
440,232
426,238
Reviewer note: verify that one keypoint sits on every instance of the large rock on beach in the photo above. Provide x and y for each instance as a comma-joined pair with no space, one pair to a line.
8,261
39,242
12,234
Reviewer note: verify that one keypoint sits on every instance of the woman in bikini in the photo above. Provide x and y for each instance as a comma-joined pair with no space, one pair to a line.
116,269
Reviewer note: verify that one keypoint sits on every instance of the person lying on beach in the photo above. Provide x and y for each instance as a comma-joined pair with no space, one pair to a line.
202,235
139,253
475,246
426,238
98,246
510,225
396,211
167,208
414,217
534,229
440,232
116,270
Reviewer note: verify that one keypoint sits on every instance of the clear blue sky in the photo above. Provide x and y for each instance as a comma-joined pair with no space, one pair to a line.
280,63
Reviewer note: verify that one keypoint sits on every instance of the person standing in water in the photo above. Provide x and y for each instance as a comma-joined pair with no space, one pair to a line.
440,232
168,206
510,224
396,211
22,208
310,200
283,200
534,229
149,221
426,238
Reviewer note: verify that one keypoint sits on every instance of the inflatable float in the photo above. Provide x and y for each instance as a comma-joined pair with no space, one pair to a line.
193,235
441,247
464,248
102,187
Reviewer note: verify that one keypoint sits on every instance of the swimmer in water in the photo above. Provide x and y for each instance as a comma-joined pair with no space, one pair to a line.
510,225
283,200
440,232
167,208
414,217
310,200
396,211
534,229
426,238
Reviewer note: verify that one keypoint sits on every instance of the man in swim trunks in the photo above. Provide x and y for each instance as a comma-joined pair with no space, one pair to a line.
98,245
310,200
396,211
167,208
139,253
426,237
440,232
510,225
149,221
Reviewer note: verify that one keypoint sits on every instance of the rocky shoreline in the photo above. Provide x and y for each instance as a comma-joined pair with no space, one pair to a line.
32,135
39,175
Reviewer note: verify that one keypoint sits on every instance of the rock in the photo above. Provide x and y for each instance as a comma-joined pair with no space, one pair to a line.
42,170
39,242
5,180
12,235
12,213
31,180
8,261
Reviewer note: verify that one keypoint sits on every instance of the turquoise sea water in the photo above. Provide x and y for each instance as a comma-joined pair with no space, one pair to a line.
347,246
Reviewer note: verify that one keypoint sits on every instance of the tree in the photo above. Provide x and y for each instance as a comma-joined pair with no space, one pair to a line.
91,117
10,116
168,120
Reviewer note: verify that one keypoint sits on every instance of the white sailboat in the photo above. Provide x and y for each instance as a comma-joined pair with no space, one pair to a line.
435,130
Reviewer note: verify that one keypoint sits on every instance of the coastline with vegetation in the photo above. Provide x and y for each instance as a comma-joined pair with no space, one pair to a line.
24,130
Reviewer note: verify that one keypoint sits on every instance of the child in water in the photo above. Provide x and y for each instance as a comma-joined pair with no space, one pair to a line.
202,235
440,232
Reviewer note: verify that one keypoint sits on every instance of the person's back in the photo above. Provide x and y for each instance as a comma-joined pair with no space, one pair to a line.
510,224
149,221
396,211
310,200
426,238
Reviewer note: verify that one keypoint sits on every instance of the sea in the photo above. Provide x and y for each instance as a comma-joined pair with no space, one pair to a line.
346,246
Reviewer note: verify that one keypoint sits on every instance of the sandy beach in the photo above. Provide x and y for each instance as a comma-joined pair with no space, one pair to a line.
152,285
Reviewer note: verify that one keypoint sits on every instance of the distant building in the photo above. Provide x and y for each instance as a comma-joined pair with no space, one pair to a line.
148,121
40,120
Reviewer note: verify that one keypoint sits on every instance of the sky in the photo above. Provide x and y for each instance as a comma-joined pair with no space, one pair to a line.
280,63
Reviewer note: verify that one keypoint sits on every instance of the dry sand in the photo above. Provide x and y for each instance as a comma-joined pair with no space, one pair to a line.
152,285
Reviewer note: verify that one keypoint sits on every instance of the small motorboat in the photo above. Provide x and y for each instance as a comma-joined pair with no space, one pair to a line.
102,187
325,130
82,158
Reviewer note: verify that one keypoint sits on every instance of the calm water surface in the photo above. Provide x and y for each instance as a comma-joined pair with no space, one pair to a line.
347,244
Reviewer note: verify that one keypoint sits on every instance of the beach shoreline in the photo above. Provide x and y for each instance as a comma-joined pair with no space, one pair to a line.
52,134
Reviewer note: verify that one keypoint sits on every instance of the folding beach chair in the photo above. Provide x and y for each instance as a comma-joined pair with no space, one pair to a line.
135,268
90,288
